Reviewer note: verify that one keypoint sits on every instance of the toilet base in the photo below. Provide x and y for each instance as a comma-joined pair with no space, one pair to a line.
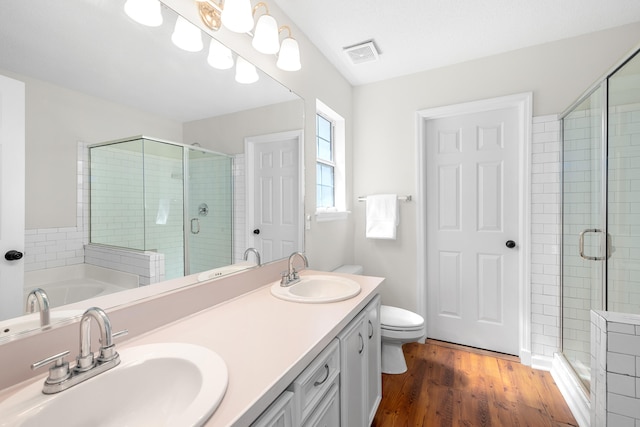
393,358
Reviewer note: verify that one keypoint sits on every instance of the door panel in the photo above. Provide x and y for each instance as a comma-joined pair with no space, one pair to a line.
472,276
12,136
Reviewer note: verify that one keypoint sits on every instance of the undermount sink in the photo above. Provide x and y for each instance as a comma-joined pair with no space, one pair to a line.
165,384
317,289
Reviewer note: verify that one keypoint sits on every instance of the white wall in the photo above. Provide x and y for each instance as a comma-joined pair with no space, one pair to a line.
384,158
56,120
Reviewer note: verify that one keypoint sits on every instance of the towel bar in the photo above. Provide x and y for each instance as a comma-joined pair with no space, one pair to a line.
401,198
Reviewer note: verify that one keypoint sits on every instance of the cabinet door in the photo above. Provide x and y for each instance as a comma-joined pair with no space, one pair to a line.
374,374
327,414
353,373
279,414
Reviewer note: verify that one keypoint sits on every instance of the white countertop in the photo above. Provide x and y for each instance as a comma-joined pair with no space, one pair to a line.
266,342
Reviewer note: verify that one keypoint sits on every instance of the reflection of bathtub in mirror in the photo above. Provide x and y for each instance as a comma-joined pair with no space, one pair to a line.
66,285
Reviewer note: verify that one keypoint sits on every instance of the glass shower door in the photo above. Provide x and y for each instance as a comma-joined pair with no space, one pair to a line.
583,227
209,205
623,265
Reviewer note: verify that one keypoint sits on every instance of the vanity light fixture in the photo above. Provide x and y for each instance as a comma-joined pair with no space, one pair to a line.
145,12
265,37
237,16
289,57
187,36
220,56
246,72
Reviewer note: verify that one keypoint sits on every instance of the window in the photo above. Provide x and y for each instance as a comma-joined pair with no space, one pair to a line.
325,166
330,164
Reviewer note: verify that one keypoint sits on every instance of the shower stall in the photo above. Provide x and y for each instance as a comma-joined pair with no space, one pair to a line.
153,195
600,262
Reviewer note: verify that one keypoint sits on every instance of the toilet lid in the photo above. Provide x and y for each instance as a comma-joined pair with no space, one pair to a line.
399,318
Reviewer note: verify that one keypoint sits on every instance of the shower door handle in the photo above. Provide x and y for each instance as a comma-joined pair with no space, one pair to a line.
195,225
581,245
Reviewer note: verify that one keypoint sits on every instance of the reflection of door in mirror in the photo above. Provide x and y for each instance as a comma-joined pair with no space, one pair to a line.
274,194
12,104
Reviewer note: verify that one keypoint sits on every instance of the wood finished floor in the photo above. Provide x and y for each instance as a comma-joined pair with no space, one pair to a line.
448,385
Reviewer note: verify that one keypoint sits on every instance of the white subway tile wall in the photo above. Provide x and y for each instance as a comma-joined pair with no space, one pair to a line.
615,388
239,208
545,236
623,266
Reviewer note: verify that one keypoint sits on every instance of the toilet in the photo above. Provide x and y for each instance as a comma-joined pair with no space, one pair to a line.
397,327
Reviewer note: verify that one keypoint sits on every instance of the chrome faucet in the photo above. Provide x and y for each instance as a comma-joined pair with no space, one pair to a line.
40,296
291,276
256,253
61,376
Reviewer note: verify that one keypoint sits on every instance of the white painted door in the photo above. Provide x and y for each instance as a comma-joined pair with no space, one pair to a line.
274,211
472,214
12,131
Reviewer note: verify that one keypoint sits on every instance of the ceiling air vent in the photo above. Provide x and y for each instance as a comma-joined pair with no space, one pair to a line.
362,52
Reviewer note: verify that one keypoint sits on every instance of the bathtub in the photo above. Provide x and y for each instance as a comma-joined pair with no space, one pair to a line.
74,283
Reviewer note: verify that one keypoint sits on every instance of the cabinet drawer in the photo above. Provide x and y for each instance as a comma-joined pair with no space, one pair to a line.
328,411
312,384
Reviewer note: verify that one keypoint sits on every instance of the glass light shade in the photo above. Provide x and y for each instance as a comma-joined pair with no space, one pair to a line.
145,12
187,36
265,38
245,71
289,57
237,16
220,56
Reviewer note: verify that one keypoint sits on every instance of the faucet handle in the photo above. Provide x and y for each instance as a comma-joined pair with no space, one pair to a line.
59,371
284,279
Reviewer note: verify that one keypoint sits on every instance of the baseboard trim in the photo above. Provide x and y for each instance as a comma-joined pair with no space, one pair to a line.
572,390
544,363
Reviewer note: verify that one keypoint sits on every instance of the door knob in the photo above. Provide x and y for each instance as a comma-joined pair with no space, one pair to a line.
256,231
13,255
510,244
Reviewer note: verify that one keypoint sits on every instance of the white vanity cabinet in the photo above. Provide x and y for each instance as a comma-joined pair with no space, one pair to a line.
343,384
279,414
360,371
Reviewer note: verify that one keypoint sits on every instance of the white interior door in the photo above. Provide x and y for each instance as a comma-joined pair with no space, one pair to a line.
274,188
472,220
12,131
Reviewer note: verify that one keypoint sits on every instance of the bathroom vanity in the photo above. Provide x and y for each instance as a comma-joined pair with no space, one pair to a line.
276,352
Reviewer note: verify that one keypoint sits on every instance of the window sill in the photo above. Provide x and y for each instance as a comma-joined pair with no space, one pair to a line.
332,216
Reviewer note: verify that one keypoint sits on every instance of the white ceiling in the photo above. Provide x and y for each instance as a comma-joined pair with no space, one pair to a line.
417,35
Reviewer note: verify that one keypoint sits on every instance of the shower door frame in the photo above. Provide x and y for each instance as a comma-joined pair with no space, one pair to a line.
603,201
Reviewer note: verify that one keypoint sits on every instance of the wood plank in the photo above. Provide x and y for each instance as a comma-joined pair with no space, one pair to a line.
449,385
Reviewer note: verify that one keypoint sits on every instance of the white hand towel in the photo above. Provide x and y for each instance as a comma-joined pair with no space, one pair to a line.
382,216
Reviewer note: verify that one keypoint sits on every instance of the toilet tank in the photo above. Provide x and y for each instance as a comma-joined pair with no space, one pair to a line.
349,269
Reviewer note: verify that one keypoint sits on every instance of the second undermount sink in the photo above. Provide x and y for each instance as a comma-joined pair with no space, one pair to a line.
167,384
317,288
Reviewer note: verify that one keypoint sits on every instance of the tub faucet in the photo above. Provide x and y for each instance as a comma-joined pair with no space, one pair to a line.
61,376
255,252
40,296
291,276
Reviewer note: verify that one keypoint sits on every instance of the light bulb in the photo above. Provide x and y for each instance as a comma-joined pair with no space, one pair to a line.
236,16
289,56
187,36
245,71
145,12
265,37
220,56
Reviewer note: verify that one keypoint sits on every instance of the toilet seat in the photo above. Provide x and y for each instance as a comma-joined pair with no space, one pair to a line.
398,319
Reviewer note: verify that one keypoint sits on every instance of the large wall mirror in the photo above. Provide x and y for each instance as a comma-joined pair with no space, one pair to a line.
93,76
